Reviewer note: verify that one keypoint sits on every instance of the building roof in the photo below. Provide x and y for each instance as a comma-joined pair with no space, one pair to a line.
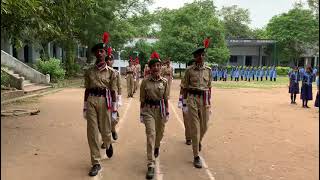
249,42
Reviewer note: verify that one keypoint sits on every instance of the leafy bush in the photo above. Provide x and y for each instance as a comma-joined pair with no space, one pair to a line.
4,78
53,67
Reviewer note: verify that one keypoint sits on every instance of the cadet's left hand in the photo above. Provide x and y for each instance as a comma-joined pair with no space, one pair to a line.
166,119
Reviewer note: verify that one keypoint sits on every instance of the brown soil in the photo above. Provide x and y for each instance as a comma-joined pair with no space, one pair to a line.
254,134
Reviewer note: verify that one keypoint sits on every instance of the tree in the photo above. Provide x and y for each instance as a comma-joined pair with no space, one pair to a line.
295,32
236,21
184,29
314,6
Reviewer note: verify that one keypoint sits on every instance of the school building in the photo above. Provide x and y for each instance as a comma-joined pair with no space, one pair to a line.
251,52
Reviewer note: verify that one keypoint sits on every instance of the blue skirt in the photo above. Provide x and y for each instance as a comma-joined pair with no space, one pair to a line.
294,88
306,92
316,103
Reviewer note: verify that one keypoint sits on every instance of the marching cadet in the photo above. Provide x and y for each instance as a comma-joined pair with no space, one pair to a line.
197,93
306,88
130,75
183,105
137,68
167,72
246,73
99,101
146,71
154,109
215,73
314,73
294,84
115,116
249,73
253,73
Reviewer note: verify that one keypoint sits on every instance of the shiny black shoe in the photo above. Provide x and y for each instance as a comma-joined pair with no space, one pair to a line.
95,170
156,152
197,162
114,135
200,146
150,173
188,142
109,151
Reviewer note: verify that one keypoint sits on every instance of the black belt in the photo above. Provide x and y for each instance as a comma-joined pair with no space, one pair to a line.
153,102
129,72
196,92
97,92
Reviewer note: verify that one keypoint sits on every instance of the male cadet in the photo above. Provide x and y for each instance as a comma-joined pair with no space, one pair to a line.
266,72
115,116
130,74
197,92
154,110
258,73
99,101
183,105
137,68
167,72
270,73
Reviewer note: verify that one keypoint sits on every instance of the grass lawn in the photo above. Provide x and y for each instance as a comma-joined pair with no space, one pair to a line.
281,81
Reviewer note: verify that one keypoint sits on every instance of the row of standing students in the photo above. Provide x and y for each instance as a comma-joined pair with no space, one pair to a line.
306,77
244,73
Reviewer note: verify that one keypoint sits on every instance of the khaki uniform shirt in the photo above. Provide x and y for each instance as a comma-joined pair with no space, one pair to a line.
138,70
152,89
130,70
118,76
197,78
93,78
166,71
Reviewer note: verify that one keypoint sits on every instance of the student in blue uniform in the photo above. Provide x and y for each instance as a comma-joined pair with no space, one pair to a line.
214,72
231,72
274,73
266,72
249,74
220,73
253,73
261,73
316,103
306,88
301,71
257,73
236,74
241,73
294,84
270,73
314,73
225,74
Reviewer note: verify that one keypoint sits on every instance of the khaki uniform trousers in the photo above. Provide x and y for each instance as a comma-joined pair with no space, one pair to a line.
187,128
114,123
199,117
169,83
136,84
98,120
155,125
130,84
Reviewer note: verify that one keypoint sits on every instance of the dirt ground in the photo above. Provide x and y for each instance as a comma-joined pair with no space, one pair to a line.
254,134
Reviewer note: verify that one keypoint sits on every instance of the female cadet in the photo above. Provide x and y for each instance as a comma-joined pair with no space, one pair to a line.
146,71
294,84
99,101
130,75
306,88
154,110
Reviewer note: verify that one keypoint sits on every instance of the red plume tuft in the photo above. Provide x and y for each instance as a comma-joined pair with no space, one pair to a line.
137,60
155,55
109,51
206,42
131,59
105,37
